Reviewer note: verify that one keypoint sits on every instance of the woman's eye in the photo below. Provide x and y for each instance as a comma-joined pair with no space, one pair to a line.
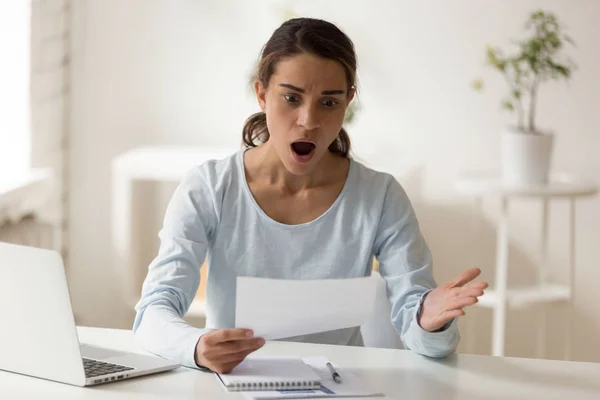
329,103
290,98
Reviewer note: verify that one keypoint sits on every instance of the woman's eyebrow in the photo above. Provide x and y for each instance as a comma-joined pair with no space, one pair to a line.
330,92
300,90
295,88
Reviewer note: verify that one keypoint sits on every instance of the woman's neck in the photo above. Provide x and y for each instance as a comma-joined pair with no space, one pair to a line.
262,163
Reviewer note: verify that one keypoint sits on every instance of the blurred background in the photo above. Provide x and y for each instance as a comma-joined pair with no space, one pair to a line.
105,103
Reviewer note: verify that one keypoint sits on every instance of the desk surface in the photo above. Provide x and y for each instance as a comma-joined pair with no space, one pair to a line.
400,374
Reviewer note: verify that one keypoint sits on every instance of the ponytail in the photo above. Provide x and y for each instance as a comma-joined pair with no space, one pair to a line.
255,129
341,144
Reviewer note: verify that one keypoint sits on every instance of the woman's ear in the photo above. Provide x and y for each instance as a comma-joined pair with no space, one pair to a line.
351,94
261,94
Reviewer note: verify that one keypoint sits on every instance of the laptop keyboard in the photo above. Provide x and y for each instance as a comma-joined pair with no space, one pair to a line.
96,368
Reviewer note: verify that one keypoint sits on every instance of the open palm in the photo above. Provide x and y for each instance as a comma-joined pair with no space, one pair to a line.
447,301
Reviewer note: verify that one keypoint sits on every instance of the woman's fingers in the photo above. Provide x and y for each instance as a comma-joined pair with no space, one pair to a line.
466,277
470,292
237,346
226,335
227,368
476,285
447,301
224,362
450,314
221,349
235,357
460,302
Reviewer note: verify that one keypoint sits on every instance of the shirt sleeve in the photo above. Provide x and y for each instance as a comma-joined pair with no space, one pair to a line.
174,275
405,263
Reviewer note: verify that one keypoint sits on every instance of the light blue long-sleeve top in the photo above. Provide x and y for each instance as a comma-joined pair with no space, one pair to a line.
213,214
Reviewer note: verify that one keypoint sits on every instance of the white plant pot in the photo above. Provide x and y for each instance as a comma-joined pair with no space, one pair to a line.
526,158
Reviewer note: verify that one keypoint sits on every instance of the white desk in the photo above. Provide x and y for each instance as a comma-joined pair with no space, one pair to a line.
400,374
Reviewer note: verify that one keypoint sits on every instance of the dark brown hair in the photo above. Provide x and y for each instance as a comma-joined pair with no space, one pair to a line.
297,36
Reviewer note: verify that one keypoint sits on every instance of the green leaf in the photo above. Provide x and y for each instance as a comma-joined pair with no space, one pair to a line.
507,105
561,70
477,85
537,59
534,46
553,41
494,59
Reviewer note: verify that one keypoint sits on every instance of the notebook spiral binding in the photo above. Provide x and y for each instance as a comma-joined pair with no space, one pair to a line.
259,386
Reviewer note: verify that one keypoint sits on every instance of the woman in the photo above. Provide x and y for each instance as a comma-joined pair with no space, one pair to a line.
293,204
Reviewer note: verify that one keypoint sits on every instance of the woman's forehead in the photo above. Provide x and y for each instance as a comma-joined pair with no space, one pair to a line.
308,71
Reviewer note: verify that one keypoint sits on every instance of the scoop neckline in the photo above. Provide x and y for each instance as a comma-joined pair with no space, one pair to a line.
242,171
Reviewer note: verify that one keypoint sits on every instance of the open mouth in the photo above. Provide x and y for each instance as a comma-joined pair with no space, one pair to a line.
303,149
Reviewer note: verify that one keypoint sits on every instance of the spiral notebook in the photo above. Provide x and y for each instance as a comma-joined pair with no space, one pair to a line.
271,373
351,385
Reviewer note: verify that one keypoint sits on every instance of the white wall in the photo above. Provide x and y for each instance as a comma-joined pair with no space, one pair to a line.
14,81
157,73
50,102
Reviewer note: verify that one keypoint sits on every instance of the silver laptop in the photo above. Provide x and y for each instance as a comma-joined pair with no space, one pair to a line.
37,329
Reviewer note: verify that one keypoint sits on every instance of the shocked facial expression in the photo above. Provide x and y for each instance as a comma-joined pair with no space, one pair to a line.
305,103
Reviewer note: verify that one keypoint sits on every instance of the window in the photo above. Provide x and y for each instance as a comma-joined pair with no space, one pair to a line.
15,25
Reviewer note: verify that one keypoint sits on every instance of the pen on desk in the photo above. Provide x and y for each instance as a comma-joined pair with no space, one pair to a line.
336,377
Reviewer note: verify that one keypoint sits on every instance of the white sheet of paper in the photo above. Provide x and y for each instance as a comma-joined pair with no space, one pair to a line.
282,308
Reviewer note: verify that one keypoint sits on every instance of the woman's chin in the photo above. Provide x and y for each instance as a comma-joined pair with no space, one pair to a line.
301,165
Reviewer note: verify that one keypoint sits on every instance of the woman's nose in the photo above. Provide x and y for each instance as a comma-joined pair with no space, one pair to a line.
308,118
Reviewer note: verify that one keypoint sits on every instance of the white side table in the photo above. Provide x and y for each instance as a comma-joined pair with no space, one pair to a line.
28,194
155,164
499,298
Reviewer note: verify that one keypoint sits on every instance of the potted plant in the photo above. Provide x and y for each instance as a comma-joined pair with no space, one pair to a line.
526,148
